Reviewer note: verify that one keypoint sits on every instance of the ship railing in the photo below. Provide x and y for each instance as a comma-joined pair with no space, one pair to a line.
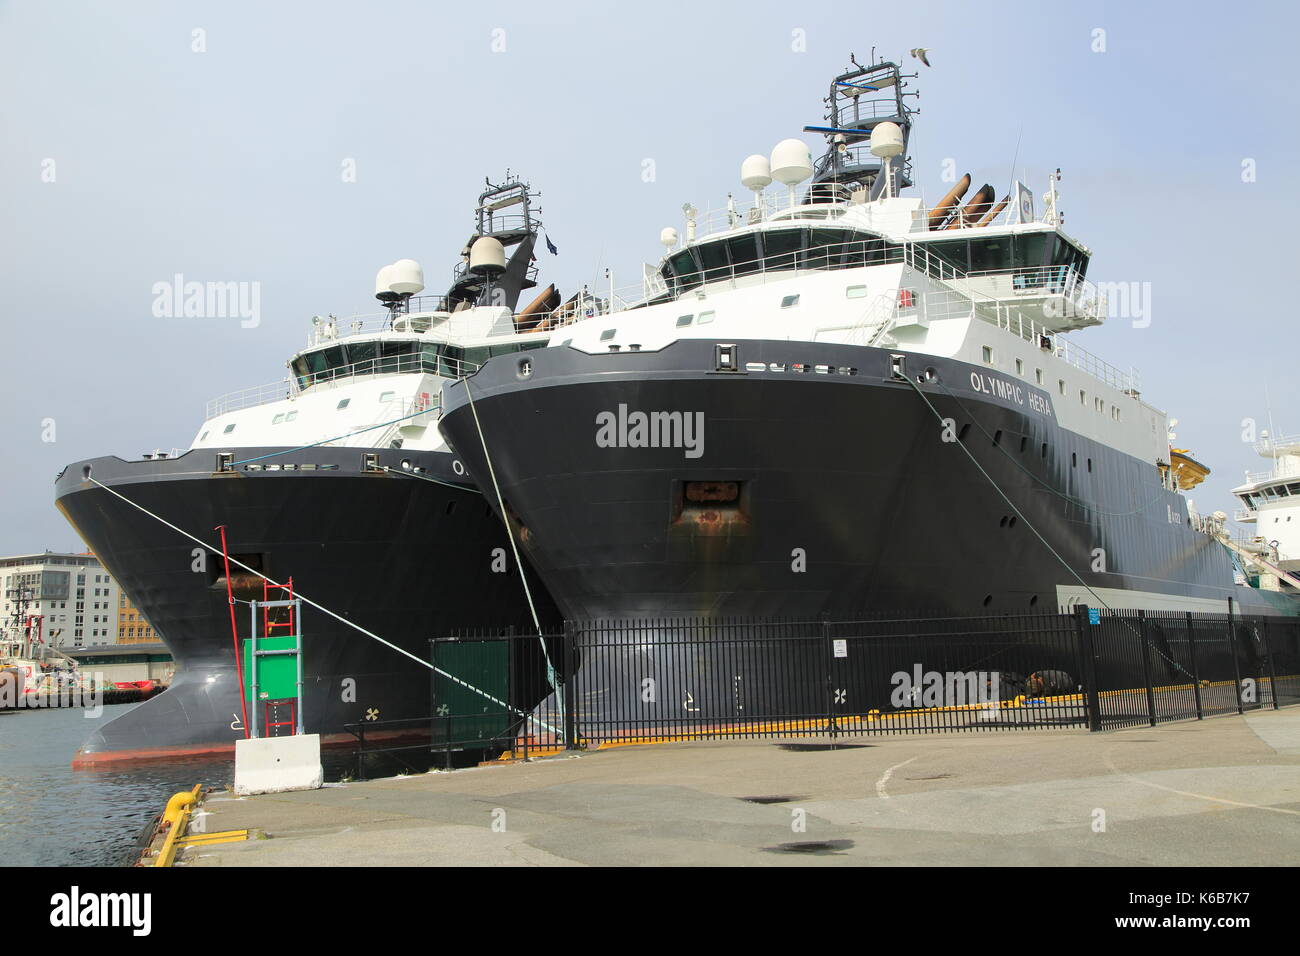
1280,444
951,304
440,365
250,397
825,203
1283,470
328,329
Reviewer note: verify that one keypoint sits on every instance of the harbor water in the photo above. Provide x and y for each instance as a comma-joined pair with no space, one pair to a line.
52,815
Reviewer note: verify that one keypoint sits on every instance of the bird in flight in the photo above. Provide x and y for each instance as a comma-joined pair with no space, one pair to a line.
920,53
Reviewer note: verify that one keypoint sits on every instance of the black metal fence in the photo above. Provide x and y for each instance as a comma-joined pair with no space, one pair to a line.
602,683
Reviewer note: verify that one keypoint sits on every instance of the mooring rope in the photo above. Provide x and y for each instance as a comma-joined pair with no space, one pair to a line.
327,611
505,518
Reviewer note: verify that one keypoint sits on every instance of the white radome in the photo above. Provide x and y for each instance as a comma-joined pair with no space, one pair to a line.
887,140
383,284
756,173
791,162
406,277
487,256
668,236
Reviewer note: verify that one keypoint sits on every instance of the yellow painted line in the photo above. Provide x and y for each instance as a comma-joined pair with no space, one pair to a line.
204,839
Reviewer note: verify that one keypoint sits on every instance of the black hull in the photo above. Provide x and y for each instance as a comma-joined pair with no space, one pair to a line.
850,500
404,558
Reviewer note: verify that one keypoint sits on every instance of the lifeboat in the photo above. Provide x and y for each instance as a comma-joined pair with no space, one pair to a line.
1188,472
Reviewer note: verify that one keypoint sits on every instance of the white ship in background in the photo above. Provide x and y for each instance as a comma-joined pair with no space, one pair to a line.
1271,501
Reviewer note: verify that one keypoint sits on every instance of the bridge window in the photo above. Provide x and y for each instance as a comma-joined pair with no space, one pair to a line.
744,254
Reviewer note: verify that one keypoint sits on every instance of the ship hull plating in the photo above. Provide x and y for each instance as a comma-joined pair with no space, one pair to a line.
404,558
828,487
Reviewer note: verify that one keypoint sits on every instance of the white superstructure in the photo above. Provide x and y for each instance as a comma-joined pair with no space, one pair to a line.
1271,500
998,291
366,382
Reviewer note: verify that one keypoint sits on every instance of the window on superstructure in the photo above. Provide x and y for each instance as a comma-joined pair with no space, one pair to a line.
744,254
1020,367
1083,397
987,354
855,292
343,403
1060,385
1038,376
684,320
278,419
780,248
705,318
398,356
790,301
228,429
713,258
608,334
685,271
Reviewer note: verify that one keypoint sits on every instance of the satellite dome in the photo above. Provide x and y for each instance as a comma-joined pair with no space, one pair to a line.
756,173
487,256
668,236
406,277
791,162
384,285
887,140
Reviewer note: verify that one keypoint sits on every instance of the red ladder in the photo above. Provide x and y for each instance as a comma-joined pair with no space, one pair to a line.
268,630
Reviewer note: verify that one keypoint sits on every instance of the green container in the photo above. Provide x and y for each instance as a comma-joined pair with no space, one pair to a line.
464,718
277,677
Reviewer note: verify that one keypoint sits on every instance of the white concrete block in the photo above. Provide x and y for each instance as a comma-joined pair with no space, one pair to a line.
278,764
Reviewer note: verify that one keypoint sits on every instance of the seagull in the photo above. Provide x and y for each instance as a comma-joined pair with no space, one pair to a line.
920,53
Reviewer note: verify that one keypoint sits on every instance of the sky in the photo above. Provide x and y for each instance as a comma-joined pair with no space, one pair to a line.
300,146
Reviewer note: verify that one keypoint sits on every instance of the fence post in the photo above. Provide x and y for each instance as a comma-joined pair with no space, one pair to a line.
1232,649
1083,630
566,691
1272,668
827,650
1146,666
1196,672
